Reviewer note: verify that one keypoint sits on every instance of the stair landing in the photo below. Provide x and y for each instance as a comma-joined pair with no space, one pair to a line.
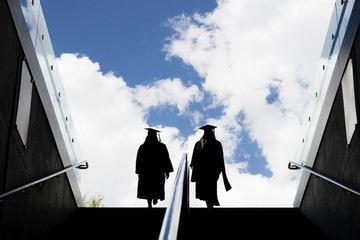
197,223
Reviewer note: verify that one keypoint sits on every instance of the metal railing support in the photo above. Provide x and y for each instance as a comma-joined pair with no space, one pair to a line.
295,166
80,165
170,225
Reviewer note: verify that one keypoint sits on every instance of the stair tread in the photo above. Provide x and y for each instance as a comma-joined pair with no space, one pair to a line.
225,223
259,223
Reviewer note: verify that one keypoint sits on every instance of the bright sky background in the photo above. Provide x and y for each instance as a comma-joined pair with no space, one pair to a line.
244,66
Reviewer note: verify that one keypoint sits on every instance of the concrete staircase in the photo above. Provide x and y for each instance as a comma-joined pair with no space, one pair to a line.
197,223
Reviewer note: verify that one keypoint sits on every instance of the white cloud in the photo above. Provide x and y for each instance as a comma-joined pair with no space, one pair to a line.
167,92
110,125
243,48
254,190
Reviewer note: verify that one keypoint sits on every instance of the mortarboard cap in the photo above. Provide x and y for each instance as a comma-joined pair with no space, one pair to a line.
207,127
152,130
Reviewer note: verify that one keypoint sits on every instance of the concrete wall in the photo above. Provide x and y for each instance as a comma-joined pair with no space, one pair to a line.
335,211
29,214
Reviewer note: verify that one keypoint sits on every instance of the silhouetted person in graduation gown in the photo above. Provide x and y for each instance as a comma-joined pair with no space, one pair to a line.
207,163
153,165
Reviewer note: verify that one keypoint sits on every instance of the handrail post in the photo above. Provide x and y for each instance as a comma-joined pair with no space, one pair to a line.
80,165
185,201
294,166
178,202
185,210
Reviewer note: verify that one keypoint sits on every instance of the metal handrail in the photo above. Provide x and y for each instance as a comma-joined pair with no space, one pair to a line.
80,165
170,225
295,166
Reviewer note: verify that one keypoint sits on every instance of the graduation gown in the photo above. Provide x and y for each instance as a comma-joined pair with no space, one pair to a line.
152,162
207,163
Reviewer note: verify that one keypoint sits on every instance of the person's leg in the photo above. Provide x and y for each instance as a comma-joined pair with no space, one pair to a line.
209,205
149,202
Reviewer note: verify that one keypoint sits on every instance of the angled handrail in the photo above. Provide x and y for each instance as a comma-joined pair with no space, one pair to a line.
170,225
80,165
295,166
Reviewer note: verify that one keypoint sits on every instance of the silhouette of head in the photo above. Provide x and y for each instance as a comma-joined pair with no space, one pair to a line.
209,132
152,135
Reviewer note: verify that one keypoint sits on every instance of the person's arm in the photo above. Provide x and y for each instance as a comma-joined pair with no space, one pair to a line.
223,171
168,165
194,156
226,181
138,166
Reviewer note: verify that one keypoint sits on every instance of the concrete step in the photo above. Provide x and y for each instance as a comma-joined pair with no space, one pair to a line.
111,223
197,223
248,223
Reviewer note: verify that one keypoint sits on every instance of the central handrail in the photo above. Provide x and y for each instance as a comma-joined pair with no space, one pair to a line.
80,165
170,225
295,166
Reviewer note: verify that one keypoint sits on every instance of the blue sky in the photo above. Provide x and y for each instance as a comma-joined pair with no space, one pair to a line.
245,66
127,38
